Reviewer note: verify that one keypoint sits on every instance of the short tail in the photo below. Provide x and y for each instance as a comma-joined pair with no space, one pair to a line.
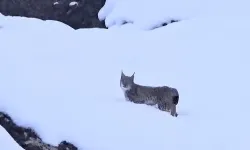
175,95
175,100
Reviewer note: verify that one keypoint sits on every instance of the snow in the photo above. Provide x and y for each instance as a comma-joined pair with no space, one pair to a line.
6,142
146,14
65,83
73,3
56,3
9,23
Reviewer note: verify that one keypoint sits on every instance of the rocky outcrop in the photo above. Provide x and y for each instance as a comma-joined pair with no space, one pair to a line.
75,13
27,138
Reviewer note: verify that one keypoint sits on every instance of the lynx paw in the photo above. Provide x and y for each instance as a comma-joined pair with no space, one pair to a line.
174,115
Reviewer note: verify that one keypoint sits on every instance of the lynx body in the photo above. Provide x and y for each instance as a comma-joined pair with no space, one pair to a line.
166,98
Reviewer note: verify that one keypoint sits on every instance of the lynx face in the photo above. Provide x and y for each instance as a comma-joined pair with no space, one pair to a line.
126,82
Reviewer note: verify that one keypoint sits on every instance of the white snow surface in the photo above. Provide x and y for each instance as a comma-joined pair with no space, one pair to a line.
148,14
6,142
65,83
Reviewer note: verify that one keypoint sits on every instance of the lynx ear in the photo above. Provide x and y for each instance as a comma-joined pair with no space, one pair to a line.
133,75
122,73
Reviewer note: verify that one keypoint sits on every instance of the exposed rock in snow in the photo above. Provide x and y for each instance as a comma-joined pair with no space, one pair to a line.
73,3
75,13
27,138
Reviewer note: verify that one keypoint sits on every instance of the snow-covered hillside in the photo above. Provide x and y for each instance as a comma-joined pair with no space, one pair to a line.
7,143
149,14
65,83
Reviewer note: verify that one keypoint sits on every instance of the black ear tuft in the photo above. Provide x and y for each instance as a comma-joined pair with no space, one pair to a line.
133,74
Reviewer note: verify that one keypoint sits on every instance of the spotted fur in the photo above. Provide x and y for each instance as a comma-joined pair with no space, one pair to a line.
166,98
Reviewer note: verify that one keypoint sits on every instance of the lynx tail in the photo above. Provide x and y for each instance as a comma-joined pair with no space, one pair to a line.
175,100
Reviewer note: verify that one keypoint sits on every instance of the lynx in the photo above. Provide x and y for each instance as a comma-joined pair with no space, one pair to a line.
165,97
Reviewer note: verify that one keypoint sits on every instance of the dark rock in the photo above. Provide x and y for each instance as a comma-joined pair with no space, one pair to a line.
75,13
27,138
165,24
64,145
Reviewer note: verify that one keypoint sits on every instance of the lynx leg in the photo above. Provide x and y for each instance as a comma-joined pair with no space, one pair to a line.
175,101
173,111
162,106
168,107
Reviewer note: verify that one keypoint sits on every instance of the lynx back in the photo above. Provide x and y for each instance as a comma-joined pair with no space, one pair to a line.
165,97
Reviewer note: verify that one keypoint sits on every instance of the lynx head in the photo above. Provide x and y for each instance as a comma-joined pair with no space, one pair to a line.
126,82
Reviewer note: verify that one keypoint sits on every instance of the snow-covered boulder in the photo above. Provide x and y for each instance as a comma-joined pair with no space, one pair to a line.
75,13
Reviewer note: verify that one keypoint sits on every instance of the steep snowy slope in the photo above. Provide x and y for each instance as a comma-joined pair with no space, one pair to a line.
65,83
